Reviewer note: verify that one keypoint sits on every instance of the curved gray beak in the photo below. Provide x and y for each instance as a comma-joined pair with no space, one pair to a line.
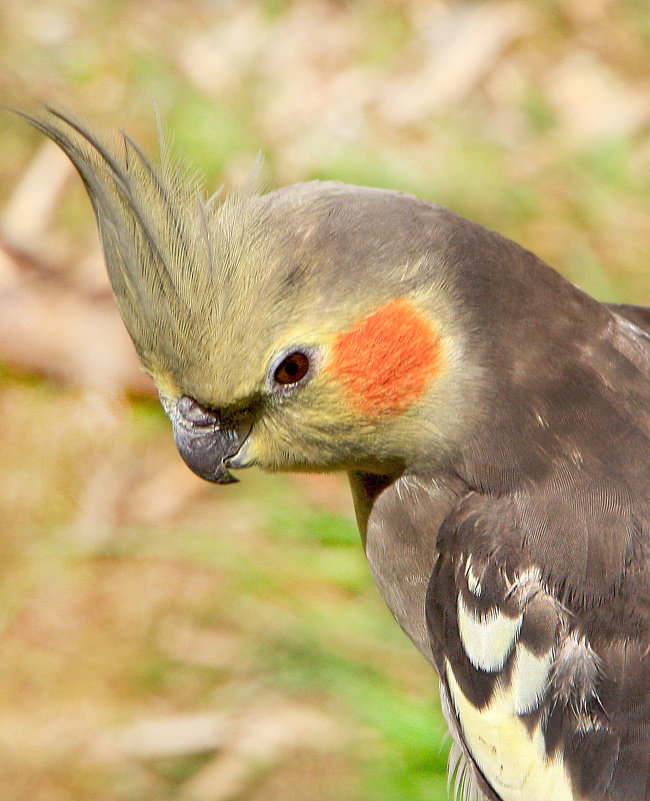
201,438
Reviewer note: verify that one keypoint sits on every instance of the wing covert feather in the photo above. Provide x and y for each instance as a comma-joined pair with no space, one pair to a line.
550,695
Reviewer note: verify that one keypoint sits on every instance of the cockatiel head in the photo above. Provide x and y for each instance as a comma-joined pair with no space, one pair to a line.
318,326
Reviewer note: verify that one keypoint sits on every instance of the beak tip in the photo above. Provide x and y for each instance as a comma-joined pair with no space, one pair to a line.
227,478
214,473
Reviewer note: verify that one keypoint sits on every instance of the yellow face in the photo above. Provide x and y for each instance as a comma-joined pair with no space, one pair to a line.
345,400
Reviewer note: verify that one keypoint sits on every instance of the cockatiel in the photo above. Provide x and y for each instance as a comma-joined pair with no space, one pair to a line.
493,420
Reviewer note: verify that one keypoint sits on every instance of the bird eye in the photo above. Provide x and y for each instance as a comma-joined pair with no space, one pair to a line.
292,369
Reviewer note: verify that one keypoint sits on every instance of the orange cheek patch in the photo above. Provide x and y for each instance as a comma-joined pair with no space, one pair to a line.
387,360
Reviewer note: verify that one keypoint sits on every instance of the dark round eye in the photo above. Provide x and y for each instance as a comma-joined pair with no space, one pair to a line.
292,368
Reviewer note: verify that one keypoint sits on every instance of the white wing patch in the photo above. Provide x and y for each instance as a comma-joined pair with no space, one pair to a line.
511,759
529,680
521,638
487,639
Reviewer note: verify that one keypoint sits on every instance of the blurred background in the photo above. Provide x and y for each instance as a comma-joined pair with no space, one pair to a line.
161,638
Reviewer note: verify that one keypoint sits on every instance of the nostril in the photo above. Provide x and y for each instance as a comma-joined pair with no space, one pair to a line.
194,412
